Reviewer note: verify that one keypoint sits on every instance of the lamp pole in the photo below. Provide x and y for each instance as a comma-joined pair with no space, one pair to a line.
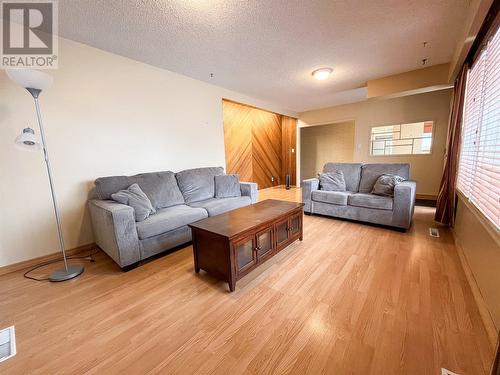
69,271
35,81
35,93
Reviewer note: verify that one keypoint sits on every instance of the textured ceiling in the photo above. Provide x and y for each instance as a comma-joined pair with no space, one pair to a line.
267,49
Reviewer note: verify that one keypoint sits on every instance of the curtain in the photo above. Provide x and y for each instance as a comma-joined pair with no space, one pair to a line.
447,197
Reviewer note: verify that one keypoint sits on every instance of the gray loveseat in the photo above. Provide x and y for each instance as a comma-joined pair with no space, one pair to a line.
357,203
179,199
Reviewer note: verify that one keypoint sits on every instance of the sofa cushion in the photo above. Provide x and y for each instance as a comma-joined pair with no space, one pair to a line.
352,173
332,181
332,197
168,219
160,187
385,185
370,201
216,206
371,172
135,198
227,186
198,184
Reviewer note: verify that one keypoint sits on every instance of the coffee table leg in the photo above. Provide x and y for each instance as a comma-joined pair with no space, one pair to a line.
301,223
196,267
195,253
232,285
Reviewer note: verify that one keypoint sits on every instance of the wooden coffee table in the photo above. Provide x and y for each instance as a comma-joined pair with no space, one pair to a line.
230,245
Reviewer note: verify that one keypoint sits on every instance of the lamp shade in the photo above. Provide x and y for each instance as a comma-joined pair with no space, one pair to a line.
27,140
30,79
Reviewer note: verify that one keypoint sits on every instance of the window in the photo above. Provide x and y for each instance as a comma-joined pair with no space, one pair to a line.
402,139
479,167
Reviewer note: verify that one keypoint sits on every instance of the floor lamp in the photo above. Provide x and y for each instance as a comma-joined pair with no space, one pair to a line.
35,81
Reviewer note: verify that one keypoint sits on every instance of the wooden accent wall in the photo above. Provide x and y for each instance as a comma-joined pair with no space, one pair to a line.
238,139
266,148
258,144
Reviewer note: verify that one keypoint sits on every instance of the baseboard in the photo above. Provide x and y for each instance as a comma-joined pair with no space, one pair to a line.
45,258
280,187
484,312
427,197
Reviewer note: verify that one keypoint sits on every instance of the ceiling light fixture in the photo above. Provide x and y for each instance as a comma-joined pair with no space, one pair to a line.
322,73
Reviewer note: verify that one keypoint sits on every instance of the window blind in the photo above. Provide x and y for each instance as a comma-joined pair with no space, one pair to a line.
479,167
470,126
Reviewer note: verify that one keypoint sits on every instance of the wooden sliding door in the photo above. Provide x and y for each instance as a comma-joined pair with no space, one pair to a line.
259,145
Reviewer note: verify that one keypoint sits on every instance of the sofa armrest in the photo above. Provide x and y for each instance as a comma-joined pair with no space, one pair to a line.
115,231
249,189
308,186
404,203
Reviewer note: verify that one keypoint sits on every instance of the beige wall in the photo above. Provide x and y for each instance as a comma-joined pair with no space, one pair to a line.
104,115
481,246
425,169
325,143
409,82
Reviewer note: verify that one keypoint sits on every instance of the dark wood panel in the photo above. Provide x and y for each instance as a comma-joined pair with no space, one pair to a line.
289,148
496,365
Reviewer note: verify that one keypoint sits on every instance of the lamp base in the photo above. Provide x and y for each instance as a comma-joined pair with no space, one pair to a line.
73,271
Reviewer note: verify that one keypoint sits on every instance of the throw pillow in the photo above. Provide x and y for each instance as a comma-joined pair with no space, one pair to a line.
332,181
135,198
385,185
227,186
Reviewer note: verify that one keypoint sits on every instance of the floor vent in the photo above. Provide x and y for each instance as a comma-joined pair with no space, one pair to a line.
447,372
433,232
7,343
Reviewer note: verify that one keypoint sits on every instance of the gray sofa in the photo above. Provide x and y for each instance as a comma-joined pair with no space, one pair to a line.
179,199
357,203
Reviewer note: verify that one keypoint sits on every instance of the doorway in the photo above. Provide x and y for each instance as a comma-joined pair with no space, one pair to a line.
322,144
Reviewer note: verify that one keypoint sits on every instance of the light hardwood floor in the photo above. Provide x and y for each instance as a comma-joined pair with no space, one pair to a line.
349,299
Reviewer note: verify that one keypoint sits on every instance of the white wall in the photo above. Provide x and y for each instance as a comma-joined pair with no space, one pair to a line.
435,106
105,115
